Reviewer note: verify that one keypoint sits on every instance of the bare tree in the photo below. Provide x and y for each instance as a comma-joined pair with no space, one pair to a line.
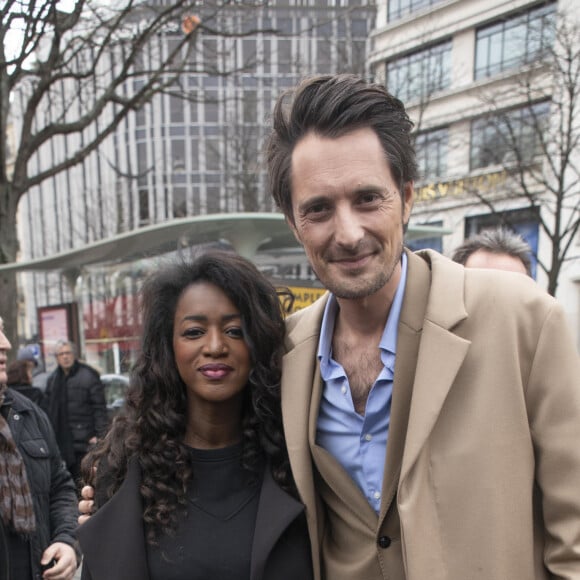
532,131
75,77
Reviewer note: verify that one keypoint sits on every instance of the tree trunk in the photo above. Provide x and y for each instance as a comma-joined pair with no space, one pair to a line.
8,252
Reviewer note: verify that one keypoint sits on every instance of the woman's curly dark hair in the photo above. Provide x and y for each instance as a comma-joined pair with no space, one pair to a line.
152,426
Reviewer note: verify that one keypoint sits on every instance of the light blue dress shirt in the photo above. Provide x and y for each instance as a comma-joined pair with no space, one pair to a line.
359,443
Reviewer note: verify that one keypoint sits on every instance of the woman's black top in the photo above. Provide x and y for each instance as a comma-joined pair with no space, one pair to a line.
215,539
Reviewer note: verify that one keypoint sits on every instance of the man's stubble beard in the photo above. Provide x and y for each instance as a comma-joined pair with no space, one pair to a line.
350,292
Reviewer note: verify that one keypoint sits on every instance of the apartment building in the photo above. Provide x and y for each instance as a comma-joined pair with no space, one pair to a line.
495,120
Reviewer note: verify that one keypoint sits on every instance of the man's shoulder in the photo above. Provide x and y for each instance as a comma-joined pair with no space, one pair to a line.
456,292
307,319
88,370
22,404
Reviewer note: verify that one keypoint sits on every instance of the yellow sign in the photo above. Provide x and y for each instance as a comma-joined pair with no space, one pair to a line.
304,297
477,184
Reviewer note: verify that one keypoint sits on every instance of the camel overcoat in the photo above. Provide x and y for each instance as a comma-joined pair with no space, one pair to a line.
482,475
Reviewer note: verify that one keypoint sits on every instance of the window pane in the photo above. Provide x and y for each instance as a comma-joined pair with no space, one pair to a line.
420,74
509,136
518,40
432,149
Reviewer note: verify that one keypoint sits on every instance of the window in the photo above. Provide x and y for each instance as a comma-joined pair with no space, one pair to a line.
176,105
178,155
211,107
421,73
400,8
179,202
513,42
509,137
432,148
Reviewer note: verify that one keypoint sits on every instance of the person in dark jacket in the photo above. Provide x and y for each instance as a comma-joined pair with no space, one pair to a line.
193,480
37,494
20,379
76,406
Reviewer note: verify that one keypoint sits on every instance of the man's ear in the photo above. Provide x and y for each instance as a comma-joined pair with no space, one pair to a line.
408,197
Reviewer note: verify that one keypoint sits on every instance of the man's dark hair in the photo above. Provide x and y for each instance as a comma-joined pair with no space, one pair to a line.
496,241
332,106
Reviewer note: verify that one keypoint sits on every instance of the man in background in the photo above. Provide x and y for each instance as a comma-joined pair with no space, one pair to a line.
500,249
37,509
76,406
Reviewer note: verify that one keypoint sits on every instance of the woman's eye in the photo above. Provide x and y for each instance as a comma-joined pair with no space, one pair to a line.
235,332
192,332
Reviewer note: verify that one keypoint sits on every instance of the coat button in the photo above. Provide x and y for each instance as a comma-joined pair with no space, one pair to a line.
384,541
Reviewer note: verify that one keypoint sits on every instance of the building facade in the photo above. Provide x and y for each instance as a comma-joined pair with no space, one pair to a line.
194,150
491,86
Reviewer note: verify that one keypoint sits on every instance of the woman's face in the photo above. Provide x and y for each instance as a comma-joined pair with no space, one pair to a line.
211,355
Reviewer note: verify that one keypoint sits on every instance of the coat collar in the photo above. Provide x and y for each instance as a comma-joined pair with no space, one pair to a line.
276,511
441,351
113,540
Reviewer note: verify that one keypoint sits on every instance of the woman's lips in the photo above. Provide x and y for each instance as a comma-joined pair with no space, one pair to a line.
215,371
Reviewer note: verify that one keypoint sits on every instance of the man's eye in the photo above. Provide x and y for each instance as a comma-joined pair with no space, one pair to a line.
369,197
317,210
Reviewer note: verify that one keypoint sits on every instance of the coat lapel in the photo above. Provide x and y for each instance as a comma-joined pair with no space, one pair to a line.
113,540
299,372
409,337
333,473
441,354
276,511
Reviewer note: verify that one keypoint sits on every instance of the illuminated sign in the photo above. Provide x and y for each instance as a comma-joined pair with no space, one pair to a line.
477,184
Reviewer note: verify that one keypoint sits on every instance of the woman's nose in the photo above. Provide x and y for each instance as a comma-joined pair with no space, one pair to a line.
215,344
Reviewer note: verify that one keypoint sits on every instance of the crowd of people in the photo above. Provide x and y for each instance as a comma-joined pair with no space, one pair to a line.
420,420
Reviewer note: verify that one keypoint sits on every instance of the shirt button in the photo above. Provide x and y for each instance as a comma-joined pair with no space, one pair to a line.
384,541
377,495
343,390
368,437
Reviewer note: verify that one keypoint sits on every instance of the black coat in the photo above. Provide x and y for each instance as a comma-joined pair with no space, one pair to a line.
86,405
52,488
113,544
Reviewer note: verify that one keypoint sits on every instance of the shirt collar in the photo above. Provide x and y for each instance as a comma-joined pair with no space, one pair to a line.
388,341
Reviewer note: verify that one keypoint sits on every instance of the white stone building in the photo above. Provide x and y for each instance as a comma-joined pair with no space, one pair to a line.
474,78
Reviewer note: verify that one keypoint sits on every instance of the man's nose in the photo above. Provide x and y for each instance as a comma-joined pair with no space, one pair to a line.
348,231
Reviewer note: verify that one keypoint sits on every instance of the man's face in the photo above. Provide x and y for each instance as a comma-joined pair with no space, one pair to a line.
348,212
5,346
65,357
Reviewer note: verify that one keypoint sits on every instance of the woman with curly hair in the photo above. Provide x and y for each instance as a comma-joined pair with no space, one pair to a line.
193,480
